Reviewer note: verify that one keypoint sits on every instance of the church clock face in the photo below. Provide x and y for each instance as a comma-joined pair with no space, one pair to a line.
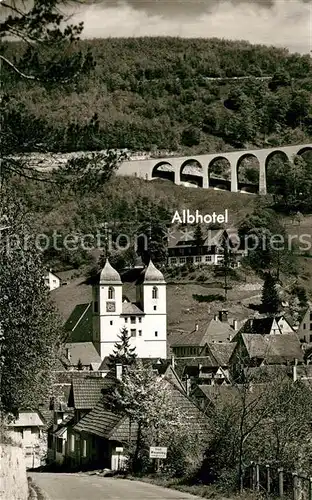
110,307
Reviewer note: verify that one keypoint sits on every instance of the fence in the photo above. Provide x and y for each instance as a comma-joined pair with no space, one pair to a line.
277,482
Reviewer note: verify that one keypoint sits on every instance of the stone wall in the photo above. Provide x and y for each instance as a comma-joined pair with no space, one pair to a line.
13,478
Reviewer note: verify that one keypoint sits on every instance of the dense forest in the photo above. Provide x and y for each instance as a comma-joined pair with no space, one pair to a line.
159,94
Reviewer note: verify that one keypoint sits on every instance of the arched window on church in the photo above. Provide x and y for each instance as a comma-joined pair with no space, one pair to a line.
155,292
111,293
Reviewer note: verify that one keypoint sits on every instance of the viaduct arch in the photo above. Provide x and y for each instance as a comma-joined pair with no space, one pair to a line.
197,169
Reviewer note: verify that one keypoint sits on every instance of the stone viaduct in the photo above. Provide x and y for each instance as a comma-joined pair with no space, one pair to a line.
176,167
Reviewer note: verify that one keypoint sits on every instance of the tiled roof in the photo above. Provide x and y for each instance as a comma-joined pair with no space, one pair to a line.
83,351
109,425
86,392
79,324
62,427
105,424
131,308
222,352
273,348
214,331
262,326
229,394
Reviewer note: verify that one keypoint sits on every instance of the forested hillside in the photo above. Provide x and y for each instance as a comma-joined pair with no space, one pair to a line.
157,94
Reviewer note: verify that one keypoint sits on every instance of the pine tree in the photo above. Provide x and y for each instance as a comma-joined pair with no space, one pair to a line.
198,237
123,353
270,298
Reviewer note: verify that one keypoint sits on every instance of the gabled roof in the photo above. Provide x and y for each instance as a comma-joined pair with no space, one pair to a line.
130,308
273,348
262,326
28,418
86,392
222,352
214,331
106,424
79,323
83,351
62,427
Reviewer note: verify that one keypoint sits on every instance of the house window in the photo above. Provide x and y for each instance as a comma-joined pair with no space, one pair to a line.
208,258
198,258
84,448
155,308
140,320
182,260
34,430
310,326
140,333
111,322
156,334
133,333
132,320
155,293
111,293
126,320
96,307
310,316
59,445
310,338
173,260
304,326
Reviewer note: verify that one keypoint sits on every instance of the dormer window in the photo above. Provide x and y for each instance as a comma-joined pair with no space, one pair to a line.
155,292
111,293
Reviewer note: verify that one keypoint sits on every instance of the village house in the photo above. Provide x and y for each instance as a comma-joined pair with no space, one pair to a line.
305,327
80,356
256,350
51,280
185,343
183,250
82,395
271,325
211,368
28,431
100,434
90,435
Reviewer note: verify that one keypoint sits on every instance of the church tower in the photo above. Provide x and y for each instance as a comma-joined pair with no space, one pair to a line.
152,300
107,310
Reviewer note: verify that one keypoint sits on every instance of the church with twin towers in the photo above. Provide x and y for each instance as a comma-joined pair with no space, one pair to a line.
145,319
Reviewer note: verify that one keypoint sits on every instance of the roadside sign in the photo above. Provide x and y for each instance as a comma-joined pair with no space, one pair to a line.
158,452
119,449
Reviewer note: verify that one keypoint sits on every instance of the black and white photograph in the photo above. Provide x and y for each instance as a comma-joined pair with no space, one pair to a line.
155,249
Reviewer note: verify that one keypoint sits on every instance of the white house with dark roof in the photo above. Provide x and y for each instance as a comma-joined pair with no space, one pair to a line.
52,281
145,319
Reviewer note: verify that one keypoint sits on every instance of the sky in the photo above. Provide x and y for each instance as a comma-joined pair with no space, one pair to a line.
283,23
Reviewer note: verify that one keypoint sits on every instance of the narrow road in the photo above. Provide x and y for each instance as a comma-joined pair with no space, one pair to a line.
58,486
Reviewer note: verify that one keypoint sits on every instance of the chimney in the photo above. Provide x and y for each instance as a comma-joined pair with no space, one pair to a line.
119,371
223,316
295,370
196,327
235,325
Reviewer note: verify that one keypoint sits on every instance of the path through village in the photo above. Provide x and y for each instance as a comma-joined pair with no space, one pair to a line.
57,486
